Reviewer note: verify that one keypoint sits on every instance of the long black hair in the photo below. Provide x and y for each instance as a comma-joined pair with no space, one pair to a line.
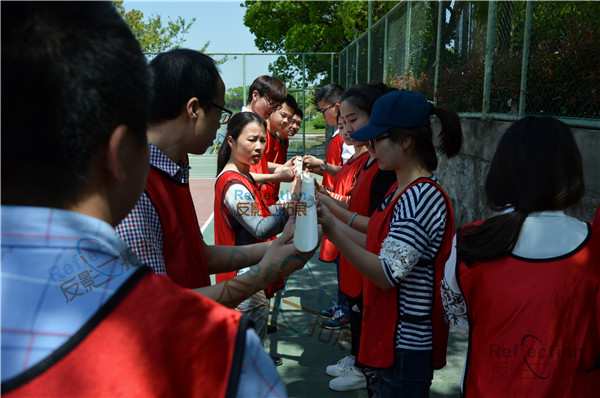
234,129
537,166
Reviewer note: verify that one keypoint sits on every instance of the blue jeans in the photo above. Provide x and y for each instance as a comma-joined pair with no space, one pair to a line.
409,376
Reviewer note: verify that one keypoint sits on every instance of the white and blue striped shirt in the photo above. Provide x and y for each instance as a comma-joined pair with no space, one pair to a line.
408,256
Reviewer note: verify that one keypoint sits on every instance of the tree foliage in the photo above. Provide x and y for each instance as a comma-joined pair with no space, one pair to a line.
308,26
153,36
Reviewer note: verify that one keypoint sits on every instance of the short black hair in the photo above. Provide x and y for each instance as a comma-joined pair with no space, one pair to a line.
71,73
179,75
270,86
331,94
291,102
299,113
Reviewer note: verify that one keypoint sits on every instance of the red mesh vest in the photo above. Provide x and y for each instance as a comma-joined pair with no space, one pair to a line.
534,324
183,248
151,339
333,156
224,233
343,184
380,314
360,202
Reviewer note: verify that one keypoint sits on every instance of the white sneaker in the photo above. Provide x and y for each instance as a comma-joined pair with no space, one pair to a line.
350,380
337,369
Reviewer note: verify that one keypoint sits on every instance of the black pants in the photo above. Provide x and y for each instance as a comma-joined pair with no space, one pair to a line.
355,317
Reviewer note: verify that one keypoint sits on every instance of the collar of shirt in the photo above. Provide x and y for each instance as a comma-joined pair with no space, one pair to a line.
179,170
58,268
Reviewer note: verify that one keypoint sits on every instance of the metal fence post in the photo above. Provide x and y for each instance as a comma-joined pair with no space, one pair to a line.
243,78
357,56
489,55
385,48
438,53
407,42
525,62
332,69
304,101
370,20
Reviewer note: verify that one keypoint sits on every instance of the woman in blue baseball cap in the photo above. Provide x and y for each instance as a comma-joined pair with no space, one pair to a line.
407,243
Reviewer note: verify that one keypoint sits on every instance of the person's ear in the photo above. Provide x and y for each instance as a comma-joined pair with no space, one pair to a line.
115,153
192,109
405,142
230,141
255,95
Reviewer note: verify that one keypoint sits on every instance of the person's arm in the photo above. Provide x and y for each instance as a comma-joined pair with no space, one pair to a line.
313,165
221,258
340,200
363,260
360,223
142,232
453,300
280,260
236,196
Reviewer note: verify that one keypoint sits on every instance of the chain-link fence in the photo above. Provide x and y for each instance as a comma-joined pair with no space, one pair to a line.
302,74
498,59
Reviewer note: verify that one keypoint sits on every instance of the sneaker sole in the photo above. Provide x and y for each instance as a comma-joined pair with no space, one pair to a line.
336,327
349,388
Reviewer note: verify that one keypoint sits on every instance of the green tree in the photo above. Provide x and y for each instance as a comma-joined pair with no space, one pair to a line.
153,36
308,26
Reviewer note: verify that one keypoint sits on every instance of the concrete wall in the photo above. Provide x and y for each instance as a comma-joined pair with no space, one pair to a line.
463,177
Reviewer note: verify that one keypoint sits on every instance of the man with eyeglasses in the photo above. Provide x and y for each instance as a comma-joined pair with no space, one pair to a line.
266,95
338,153
184,116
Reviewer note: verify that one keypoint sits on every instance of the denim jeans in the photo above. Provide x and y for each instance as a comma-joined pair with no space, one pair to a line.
409,376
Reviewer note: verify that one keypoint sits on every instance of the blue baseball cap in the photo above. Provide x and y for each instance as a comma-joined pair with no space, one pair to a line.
396,109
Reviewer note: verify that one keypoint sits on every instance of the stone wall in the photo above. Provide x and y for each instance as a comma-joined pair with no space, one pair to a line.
463,177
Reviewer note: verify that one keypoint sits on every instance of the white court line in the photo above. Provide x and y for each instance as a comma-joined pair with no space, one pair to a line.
212,215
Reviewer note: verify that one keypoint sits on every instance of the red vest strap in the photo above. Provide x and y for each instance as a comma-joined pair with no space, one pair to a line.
183,248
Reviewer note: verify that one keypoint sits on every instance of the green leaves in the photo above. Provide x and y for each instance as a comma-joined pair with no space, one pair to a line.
153,36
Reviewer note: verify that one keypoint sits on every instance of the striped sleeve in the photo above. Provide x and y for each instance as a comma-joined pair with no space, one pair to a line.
416,231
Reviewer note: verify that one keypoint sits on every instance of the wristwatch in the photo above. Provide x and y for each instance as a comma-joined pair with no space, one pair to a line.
323,166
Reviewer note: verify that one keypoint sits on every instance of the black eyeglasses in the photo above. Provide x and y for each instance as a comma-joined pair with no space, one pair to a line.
373,140
326,109
271,104
225,113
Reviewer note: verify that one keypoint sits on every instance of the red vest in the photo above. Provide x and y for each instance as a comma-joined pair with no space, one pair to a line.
267,189
151,339
360,202
380,315
534,324
275,151
224,232
343,184
333,156
183,248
